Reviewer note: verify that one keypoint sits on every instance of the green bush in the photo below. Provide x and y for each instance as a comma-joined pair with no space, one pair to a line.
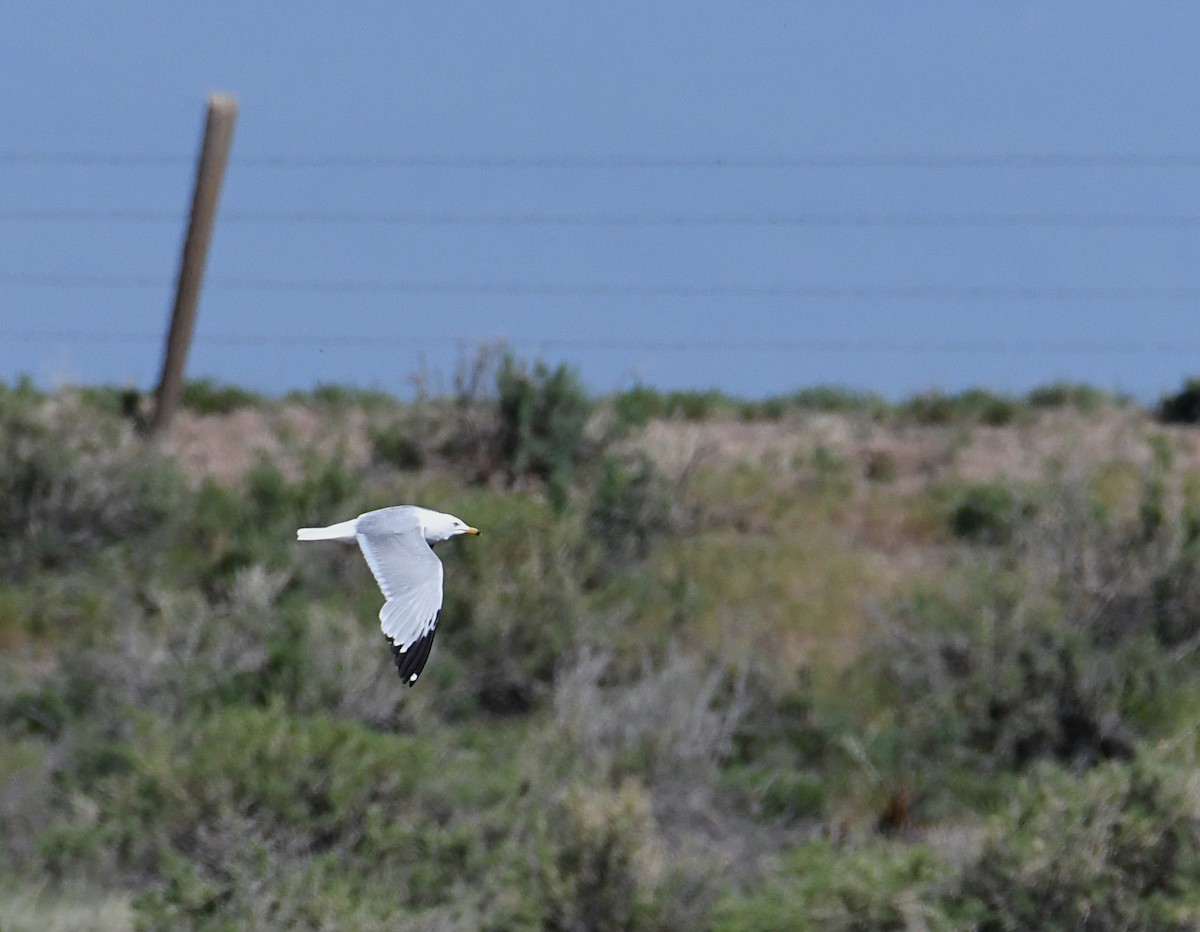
1084,398
219,790
343,397
779,794
973,406
207,396
110,400
44,712
516,604
995,685
1117,849
834,399
397,445
989,513
542,419
638,405
1183,407
21,397
599,865
630,508
256,818
823,889
72,482
233,528
1058,645
696,405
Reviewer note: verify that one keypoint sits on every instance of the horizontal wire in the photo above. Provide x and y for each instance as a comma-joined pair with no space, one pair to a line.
806,161
349,218
948,347
610,289
93,158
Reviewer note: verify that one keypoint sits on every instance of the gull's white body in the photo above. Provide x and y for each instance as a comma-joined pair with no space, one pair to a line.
396,543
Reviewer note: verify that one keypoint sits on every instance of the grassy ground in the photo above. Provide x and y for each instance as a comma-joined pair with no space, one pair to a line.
813,662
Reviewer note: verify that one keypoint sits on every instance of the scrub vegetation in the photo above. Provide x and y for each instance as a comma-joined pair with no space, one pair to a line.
818,661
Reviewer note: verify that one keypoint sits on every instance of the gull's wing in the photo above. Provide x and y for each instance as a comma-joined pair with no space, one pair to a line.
410,576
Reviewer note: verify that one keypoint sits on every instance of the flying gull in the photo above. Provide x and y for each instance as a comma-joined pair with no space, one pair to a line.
397,543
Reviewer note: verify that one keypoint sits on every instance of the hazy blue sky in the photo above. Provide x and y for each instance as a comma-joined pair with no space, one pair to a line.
756,195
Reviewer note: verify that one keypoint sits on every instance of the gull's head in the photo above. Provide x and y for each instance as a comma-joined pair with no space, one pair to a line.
437,526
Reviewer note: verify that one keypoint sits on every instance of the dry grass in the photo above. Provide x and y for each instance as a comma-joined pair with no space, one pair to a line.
39,909
226,447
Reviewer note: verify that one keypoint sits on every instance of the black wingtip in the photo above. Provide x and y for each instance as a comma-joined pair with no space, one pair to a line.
410,662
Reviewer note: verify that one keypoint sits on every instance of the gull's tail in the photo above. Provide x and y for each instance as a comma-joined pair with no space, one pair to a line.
343,531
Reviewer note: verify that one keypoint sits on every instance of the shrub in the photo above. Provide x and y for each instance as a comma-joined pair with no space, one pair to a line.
640,404
834,399
207,396
779,794
342,397
974,406
988,513
1117,849
878,886
252,818
261,818
73,481
236,528
1183,407
44,712
396,445
881,466
22,397
629,508
1059,645
636,406
696,405
110,400
260,641
600,867
214,787
673,725
543,415
988,408
516,603
998,684
1084,398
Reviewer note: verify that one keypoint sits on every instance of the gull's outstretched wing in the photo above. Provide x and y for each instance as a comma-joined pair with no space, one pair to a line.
410,576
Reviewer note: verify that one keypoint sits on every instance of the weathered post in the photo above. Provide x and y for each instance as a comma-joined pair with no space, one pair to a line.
214,154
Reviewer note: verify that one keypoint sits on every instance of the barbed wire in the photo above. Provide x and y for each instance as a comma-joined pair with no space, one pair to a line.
1012,160
944,347
848,161
369,218
1023,293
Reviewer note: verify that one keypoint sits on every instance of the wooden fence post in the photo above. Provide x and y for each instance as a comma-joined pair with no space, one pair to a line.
214,154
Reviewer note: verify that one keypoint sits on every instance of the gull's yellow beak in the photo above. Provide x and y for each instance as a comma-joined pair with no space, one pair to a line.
472,530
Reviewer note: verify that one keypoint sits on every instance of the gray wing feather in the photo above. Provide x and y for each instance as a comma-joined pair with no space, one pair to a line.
407,570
